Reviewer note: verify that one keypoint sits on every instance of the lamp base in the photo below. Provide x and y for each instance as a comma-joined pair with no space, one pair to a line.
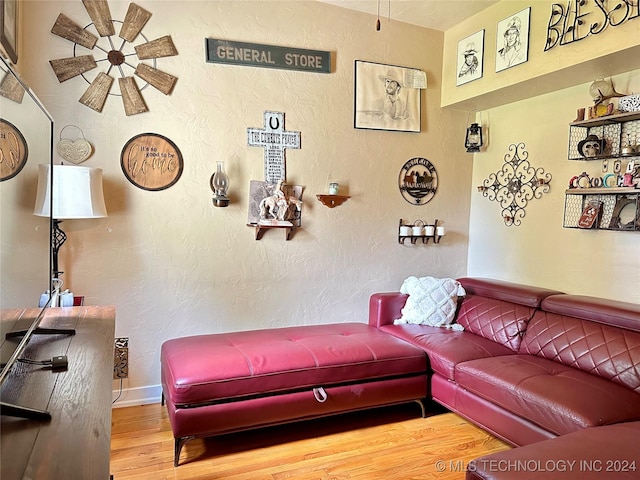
220,201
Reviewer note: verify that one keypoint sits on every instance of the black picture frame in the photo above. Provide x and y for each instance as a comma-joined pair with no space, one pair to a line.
370,95
470,58
512,40
9,28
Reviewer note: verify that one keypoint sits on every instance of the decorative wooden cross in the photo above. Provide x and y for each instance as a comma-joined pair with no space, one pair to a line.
274,139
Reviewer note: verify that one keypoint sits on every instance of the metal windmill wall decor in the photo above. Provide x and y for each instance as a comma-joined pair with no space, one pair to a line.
515,184
117,56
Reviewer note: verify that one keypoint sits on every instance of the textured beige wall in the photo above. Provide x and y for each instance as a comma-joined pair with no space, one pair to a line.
540,251
172,263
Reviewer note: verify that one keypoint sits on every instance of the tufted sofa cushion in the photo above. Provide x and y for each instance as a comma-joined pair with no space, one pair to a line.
497,320
603,350
601,310
498,310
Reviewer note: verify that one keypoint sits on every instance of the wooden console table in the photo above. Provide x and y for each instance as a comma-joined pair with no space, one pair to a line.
75,443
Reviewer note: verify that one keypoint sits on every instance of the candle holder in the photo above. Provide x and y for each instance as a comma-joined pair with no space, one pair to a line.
420,231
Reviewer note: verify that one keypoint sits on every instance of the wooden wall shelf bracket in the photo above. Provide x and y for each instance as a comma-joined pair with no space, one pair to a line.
332,200
260,229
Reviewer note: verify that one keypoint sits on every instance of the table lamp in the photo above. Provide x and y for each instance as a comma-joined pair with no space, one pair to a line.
76,193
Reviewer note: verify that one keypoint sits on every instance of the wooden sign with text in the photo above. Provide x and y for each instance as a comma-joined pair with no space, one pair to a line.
151,161
267,56
13,150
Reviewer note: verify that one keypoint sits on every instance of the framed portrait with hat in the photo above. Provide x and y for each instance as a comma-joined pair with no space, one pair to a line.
387,97
512,40
470,58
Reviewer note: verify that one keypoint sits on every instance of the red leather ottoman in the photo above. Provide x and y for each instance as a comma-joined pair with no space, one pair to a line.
220,383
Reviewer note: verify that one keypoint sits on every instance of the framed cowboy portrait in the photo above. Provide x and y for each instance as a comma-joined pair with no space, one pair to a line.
470,58
386,97
512,40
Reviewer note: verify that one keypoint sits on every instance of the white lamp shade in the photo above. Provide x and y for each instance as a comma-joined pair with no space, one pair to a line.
77,192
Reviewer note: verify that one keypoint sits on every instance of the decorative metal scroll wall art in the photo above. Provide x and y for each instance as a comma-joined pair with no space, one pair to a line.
515,184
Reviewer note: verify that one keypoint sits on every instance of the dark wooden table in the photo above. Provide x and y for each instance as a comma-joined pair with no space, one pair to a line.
75,443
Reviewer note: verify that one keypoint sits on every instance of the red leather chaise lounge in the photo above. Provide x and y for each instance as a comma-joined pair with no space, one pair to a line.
223,383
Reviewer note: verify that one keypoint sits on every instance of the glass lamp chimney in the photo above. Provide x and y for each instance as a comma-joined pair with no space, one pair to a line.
220,185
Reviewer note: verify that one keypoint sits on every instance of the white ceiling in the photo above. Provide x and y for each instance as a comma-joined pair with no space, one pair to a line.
435,14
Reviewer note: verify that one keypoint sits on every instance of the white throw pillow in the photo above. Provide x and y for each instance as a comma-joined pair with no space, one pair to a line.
432,301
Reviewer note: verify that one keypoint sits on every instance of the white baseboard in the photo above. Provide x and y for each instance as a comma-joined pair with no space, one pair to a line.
137,396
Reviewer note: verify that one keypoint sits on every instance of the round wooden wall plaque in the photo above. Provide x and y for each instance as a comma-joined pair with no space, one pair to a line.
13,150
151,161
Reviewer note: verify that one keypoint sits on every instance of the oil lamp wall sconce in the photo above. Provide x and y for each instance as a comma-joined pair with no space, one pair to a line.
220,186
515,184
473,140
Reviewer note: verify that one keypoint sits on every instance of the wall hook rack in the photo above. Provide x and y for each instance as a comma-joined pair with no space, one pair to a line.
515,184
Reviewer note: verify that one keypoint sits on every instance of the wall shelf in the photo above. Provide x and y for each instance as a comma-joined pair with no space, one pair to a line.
332,200
260,229
603,191
614,129
619,208
608,119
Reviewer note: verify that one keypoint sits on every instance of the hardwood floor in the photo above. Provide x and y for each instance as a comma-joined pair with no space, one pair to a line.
392,443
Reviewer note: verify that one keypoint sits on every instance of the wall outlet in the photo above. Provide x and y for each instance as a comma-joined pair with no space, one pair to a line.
121,358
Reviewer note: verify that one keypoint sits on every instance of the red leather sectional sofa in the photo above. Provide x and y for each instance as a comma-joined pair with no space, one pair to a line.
531,365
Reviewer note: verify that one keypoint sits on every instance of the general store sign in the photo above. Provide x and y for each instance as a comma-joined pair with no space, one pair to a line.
267,56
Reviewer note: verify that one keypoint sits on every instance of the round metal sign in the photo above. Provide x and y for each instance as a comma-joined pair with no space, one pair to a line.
418,181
